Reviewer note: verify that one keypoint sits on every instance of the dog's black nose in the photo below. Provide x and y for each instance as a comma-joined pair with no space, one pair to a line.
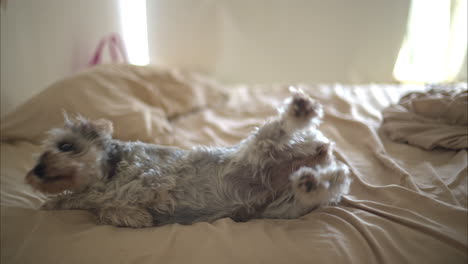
39,170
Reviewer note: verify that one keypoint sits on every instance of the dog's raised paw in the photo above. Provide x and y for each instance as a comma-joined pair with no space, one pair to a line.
303,107
307,183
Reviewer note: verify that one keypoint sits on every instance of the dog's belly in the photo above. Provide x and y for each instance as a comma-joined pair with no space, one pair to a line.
215,186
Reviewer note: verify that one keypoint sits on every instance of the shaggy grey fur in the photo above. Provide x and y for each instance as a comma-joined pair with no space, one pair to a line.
284,169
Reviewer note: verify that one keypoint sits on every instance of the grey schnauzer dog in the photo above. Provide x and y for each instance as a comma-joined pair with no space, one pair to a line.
284,169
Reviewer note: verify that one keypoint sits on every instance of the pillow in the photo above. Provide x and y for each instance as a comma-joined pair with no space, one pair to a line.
140,100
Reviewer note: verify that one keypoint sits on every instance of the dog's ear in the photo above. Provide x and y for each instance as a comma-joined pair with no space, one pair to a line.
67,120
103,126
90,129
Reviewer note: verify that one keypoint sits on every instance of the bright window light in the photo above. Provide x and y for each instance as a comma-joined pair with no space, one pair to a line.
435,45
135,33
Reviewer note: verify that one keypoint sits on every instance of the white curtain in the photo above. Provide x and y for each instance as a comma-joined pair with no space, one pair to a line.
435,46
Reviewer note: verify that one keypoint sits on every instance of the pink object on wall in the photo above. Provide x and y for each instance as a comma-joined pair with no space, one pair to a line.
116,49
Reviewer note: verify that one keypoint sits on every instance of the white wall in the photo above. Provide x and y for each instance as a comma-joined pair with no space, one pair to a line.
280,41
43,41
247,41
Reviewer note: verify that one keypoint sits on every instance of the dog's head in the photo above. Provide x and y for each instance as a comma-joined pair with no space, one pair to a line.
74,156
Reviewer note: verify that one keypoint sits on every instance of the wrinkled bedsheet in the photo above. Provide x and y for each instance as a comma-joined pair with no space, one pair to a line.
406,204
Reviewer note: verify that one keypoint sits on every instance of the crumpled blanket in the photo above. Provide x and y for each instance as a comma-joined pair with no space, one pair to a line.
436,118
147,98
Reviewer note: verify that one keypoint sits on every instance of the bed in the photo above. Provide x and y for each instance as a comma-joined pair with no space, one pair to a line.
406,204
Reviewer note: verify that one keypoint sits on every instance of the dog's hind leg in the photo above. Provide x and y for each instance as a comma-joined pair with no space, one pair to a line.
300,111
320,186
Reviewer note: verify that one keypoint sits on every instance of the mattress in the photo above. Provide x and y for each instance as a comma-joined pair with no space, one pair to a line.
406,204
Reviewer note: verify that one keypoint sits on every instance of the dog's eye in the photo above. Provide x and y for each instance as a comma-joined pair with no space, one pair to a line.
66,147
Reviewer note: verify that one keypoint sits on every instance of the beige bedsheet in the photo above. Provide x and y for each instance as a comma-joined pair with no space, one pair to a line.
406,205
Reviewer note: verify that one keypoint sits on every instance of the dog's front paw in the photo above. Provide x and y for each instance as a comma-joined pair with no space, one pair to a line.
324,152
125,217
52,204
